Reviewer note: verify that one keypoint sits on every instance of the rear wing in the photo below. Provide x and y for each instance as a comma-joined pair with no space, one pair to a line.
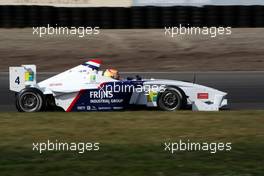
21,77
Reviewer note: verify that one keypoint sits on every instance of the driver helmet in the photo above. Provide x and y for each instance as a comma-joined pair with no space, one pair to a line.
112,73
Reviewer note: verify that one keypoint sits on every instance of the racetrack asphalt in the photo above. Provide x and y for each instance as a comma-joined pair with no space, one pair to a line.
245,89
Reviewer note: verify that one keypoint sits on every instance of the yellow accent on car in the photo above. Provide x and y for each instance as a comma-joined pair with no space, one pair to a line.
29,76
152,96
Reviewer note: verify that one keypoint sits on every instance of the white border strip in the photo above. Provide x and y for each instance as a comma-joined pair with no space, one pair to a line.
179,72
70,3
195,2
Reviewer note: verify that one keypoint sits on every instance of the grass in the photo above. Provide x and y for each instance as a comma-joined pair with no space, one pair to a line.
132,143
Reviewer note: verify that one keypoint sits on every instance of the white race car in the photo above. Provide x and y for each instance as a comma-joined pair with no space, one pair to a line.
86,88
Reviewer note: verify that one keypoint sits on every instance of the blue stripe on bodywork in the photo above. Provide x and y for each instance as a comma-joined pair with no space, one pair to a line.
99,100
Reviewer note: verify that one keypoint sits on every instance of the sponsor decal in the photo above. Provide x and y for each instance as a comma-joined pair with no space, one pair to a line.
81,108
101,94
152,96
100,101
55,84
91,108
202,95
105,108
92,78
107,101
118,108
112,95
29,75
117,100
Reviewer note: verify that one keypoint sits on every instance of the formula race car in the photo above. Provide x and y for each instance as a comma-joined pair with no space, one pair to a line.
86,88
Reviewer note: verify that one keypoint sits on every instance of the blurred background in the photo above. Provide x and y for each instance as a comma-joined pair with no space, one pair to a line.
115,14
132,34
132,40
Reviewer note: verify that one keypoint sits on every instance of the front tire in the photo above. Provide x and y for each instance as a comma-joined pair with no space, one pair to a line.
29,100
170,100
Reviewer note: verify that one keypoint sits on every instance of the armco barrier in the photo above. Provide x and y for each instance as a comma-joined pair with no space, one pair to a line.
132,17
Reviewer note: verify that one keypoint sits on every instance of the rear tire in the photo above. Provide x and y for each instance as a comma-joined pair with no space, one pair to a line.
30,100
170,100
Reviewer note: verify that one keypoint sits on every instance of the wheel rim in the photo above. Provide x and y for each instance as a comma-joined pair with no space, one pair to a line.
170,100
29,102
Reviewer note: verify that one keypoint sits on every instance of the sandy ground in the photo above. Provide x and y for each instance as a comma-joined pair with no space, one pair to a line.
135,50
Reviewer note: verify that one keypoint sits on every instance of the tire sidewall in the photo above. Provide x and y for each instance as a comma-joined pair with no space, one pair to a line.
36,93
178,95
